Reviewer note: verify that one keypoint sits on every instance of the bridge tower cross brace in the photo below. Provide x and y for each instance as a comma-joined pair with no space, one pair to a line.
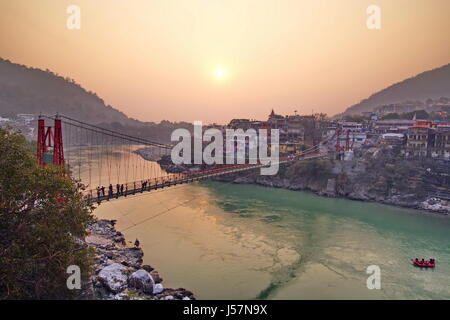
50,137
338,140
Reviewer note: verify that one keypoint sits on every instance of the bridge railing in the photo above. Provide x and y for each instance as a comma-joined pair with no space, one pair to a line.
140,186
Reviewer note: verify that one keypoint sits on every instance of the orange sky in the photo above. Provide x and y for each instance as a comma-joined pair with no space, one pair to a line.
160,59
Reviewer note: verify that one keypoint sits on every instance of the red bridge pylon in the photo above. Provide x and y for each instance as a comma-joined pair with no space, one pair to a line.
50,137
347,141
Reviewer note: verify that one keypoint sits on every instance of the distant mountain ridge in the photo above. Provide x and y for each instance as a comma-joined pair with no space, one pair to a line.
432,84
29,90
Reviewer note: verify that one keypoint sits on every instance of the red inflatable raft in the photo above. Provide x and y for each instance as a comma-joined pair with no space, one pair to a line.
426,264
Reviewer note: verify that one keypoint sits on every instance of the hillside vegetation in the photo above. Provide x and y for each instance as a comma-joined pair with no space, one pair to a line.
34,91
430,84
30,90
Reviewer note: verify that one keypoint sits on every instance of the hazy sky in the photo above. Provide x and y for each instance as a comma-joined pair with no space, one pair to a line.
214,60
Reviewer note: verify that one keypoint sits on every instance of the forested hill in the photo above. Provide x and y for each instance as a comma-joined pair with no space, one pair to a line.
29,90
430,84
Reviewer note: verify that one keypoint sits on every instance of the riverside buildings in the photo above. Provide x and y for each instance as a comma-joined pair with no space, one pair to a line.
417,138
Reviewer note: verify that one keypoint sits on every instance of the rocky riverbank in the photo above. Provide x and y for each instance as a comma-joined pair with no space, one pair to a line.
332,187
119,271
378,174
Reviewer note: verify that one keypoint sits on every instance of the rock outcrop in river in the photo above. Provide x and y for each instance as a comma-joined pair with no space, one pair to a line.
119,271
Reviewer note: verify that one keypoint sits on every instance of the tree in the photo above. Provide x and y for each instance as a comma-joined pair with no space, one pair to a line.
419,114
354,118
42,221
391,116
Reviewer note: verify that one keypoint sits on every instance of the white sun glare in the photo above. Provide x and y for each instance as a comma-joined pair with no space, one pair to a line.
220,73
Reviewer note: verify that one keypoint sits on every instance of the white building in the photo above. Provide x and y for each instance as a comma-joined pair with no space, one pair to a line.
351,126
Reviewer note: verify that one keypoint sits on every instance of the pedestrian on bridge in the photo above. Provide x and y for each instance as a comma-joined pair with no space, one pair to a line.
110,191
98,191
121,189
103,190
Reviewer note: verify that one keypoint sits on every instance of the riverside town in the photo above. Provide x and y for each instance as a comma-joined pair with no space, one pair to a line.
224,159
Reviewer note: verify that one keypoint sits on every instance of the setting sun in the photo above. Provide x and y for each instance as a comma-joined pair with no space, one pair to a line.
220,73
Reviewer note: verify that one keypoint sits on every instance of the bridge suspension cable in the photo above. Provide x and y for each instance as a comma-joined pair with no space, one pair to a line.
90,148
112,133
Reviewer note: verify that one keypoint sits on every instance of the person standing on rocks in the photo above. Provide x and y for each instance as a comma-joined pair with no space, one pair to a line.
137,243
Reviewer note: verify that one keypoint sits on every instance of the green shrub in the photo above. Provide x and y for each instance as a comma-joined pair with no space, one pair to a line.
41,217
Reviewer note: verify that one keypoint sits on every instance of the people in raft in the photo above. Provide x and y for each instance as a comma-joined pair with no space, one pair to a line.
431,261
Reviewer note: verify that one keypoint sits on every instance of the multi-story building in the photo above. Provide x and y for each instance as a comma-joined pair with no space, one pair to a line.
295,129
312,130
393,126
26,118
351,126
440,147
419,140
240,124
393,138
428,138
276,121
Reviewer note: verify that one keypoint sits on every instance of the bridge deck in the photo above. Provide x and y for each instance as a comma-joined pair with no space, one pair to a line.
182,178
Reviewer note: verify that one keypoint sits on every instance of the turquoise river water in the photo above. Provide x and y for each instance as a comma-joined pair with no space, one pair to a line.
229,241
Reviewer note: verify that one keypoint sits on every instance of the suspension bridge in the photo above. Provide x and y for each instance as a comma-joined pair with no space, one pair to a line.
98,156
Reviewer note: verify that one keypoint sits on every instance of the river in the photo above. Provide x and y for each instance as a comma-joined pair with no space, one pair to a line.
228,241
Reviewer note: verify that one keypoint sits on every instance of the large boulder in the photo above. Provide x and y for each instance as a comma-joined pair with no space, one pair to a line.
142,280
158,288
114,277
155,275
